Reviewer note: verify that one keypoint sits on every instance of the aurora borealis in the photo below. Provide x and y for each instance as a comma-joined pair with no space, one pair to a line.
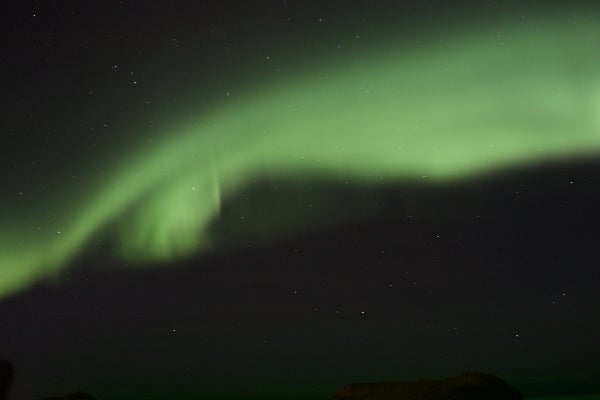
451,111
271,199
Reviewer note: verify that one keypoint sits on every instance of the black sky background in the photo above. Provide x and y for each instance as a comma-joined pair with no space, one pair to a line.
495,275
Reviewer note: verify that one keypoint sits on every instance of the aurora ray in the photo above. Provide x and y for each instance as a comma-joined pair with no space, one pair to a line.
446,111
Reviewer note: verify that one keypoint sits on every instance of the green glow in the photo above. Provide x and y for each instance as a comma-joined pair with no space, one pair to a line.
458,109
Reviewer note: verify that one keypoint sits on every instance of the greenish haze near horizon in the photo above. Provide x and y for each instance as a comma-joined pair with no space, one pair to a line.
460,109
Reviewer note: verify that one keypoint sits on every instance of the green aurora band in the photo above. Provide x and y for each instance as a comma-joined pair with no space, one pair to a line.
453,110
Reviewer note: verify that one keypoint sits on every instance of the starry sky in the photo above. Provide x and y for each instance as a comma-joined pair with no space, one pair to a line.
271,199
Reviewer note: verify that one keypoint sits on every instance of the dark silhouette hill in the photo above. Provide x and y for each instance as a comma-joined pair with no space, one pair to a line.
6,377
7,373
469,386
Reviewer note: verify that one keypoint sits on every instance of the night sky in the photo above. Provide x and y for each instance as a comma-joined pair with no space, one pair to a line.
272,199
